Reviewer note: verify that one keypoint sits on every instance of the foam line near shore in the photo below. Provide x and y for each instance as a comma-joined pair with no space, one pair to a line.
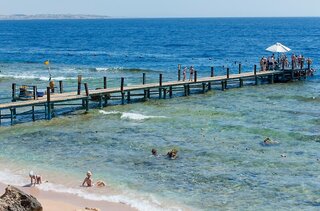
8,178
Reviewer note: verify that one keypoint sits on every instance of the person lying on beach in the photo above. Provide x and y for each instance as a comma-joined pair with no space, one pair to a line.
35,179
173,154
88,182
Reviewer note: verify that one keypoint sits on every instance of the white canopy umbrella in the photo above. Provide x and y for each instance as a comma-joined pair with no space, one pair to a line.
278,48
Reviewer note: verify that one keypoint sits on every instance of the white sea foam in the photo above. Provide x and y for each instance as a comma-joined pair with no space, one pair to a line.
42,78
130,116
140,203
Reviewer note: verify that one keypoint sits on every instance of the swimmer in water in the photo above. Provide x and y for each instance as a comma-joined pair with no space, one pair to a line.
173,154
268,141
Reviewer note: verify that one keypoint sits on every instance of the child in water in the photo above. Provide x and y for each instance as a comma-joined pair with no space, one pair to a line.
35,179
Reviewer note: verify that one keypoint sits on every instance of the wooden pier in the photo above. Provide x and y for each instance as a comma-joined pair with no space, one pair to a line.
143,91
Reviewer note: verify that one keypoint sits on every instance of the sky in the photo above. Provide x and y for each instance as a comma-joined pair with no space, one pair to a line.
165,8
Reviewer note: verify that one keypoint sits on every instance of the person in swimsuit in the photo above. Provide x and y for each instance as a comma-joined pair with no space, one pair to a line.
35,179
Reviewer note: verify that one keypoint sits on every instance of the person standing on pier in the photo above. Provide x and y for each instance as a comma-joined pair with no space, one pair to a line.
293,61
262,64
191,73
184,73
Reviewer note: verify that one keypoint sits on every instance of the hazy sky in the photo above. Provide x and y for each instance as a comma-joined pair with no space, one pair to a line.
164,8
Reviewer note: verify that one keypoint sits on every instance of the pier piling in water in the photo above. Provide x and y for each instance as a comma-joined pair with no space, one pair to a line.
132,92
61,87
143,78
48,104
79,84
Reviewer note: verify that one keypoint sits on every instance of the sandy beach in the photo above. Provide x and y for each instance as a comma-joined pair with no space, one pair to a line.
52,201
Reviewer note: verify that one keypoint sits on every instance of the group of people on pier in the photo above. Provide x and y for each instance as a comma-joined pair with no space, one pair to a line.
282,62
184,73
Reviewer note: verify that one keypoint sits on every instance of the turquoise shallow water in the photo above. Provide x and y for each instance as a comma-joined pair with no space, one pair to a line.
222,163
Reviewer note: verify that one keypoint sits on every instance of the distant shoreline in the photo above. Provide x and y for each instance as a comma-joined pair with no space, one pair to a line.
102,17
52,17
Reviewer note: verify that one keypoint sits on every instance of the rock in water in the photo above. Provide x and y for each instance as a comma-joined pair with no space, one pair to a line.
16,200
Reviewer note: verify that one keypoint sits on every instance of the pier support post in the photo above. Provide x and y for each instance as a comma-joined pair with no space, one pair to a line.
100,101
160,85
0,116
272,78
49,114
122,91
209,86
79,84
145,94
240,82
87,94
14,98
143,78
61,86
148,93
185,90
188,89
195,76
255,74
164,93
128,96
203,88
228,72
179,72
222,86
14,85
35,97
105,82
11,115
170,91
212,72
105,86
240,79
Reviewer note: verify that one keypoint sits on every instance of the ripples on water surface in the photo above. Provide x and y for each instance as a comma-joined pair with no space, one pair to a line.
222,163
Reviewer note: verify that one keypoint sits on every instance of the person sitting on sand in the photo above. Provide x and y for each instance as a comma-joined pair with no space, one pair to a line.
35,179
88,182
173,154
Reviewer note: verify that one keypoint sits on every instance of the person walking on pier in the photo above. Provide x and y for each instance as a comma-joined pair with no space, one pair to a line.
184,73
191,73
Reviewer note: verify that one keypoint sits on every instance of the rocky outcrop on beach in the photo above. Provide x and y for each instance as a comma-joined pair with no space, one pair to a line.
16,200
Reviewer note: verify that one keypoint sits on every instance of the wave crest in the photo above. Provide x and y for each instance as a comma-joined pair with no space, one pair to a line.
130,116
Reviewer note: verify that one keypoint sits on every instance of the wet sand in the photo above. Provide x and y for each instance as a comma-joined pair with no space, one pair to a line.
52,201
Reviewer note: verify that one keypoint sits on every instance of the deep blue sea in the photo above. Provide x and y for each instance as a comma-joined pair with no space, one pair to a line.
222,164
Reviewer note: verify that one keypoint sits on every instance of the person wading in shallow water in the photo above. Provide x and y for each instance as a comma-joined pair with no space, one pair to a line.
35,179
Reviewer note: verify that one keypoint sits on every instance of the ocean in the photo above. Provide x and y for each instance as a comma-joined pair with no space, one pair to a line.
222,163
